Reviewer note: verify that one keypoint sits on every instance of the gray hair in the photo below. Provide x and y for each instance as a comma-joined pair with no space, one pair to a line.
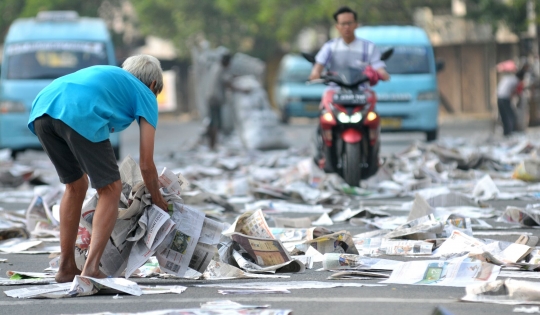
146,68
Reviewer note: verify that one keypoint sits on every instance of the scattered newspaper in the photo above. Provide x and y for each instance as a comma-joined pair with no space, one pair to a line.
175,253
4,281
254,291
406,248
509,291
338,242
252,224
42,291
456,272
224,307
503,252
357,275
526,217
222,271
348,261
287,285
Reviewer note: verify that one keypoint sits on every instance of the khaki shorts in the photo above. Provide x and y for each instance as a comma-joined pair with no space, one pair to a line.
73,155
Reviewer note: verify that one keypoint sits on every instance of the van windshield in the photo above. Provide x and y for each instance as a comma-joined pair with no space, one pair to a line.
297,70
407,60
51,59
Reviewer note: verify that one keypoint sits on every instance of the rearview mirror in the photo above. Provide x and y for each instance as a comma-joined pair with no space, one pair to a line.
387,54
439,65
309,57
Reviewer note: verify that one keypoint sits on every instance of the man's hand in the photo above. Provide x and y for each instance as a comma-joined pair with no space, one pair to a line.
372,74
160,202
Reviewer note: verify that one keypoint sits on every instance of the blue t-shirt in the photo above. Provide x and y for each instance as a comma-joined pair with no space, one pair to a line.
96,101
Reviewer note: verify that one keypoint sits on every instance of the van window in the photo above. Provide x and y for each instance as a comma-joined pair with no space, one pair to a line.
298,70
407,60
51,59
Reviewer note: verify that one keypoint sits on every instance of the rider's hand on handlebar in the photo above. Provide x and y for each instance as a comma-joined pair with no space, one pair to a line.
314,76
372,74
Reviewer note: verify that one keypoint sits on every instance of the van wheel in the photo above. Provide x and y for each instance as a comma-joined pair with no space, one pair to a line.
431,135
285,115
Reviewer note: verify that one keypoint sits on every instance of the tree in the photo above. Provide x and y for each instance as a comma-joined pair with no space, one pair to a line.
261,27
513,13
13,9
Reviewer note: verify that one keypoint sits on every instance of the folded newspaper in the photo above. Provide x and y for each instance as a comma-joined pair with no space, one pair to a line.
181,238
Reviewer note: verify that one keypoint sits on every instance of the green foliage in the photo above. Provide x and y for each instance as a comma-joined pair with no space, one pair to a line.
84,8
261,27
13,9
513,13
9,11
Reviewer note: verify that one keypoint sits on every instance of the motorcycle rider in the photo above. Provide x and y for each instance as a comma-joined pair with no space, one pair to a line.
348,51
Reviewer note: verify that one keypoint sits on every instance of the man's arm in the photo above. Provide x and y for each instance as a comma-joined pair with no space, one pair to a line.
148,168
316,71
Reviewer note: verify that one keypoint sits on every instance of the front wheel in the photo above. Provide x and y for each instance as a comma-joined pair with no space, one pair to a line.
352,172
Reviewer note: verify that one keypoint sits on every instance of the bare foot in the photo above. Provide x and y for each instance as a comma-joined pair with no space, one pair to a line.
93,274
66,275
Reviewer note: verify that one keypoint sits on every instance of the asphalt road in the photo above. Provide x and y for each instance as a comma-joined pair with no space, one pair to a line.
390,299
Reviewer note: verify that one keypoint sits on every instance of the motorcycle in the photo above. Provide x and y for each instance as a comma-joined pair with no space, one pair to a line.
348,136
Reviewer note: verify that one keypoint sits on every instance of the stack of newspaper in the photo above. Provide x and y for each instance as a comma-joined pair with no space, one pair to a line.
181,239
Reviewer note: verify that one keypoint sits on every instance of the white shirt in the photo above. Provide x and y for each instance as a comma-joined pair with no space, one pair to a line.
358,54
507,86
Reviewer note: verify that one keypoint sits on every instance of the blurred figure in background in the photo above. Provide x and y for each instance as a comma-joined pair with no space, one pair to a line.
510,85
220,78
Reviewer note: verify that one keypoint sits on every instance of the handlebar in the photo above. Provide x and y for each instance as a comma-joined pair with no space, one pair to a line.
326,79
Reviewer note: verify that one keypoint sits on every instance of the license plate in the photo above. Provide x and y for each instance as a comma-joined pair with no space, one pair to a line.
391,122
349,98
311,108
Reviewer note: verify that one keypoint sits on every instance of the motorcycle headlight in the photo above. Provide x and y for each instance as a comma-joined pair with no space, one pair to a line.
356,117
11,107
343,118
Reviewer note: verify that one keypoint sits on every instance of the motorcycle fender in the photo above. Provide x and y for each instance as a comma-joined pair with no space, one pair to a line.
351,136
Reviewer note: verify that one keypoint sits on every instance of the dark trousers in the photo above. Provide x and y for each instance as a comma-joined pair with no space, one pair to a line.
508,117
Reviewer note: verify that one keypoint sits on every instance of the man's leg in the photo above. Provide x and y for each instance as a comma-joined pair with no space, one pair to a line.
507,117
70,213
102,226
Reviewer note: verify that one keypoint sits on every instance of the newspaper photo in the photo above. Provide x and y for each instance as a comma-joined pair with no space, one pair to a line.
175,252
263,251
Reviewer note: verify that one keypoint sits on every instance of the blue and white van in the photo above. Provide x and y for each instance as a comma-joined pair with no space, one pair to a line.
410,100
37,51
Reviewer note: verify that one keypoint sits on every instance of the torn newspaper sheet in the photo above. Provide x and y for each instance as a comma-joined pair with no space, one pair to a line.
509,291
222,271
334,261
287,285
458,272
81,286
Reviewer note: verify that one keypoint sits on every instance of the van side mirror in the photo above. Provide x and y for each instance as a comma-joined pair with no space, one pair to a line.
387,54
439,65
309,57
